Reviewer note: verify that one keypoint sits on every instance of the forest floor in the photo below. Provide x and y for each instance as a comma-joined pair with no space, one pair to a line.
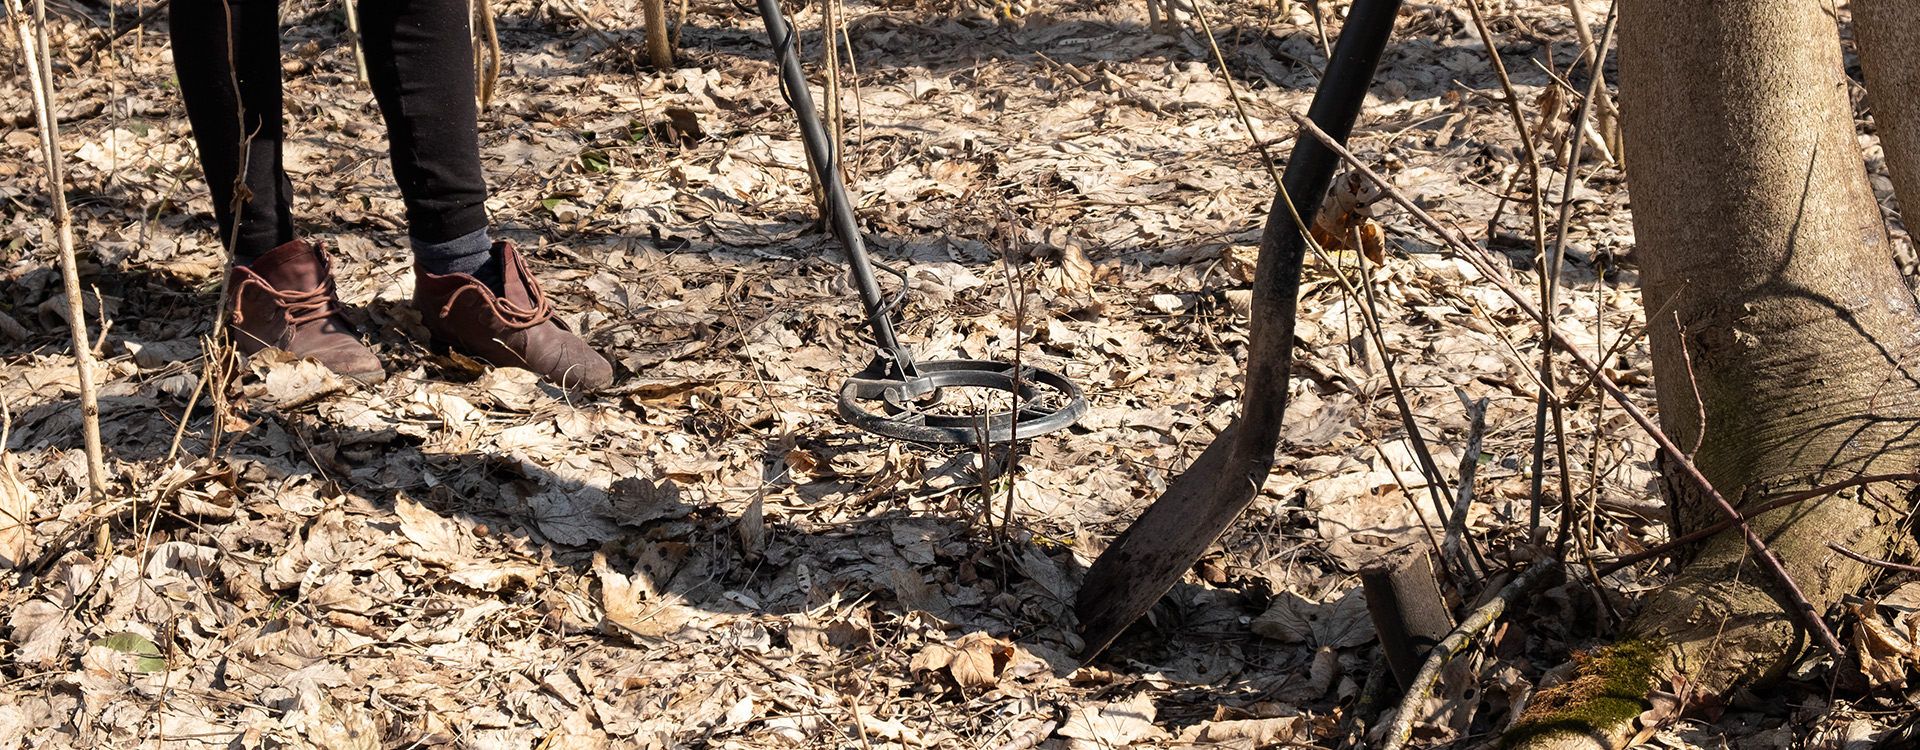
706,554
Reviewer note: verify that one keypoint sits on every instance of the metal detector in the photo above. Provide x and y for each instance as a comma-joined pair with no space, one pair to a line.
894,396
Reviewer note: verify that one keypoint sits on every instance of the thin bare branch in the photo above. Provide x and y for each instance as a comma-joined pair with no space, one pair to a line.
1801,609
1754,512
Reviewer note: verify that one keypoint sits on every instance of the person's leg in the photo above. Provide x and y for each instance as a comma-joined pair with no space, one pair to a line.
230,93
473,294
420,64
227,55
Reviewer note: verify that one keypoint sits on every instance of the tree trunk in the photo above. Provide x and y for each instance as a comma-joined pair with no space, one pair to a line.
1887,32
1756,224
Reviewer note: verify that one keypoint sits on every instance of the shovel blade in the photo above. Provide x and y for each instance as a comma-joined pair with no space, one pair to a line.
1147,559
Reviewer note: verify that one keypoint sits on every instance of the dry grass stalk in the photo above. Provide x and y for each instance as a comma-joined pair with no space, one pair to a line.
33,50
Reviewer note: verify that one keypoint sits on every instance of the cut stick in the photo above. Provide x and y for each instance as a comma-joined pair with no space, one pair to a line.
33,48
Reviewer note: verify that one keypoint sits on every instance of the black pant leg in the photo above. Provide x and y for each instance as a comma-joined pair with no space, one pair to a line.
230,81
420,64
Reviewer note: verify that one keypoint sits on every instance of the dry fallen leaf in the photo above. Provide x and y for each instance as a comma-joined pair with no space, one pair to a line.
620,600
288,382
977,660
752,528
16,510
436,539
495,576
1093,725
1882,653
933,658
39,631
1336,623
1076,272
1257,732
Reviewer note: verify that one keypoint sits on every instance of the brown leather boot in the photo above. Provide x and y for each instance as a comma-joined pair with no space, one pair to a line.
285,299
517,329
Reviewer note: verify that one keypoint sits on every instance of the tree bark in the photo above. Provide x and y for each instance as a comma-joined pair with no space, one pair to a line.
1755,221
1887,32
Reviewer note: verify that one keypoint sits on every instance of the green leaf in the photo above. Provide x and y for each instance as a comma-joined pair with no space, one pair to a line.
595,161
138,645
549,203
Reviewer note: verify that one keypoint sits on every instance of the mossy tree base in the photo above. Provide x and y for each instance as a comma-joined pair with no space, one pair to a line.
1597,707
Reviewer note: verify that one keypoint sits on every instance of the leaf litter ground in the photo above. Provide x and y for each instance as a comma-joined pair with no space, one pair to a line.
705,554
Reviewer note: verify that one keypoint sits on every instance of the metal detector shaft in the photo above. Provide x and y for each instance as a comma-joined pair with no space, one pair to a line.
820,151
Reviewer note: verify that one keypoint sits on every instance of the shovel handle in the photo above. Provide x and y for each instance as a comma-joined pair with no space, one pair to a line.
1147,559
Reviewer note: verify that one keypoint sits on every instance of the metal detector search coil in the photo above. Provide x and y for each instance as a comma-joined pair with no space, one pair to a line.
908,404
896,397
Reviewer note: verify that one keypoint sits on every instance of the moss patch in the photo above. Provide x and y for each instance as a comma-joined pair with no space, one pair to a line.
1609,689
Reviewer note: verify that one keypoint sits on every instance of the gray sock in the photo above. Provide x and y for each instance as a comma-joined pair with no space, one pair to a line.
470,254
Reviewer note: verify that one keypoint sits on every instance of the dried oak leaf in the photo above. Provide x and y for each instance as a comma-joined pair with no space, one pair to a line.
1882,653
288,381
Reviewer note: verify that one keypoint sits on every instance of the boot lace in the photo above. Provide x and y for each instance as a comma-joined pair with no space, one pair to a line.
513,315
302,307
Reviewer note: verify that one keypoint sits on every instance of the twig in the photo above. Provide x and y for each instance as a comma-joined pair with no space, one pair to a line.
1320,28
216,346
1546,399
34,49
1452,645
830,64
1425,525
1800,607
1469,462
1572,177
1751,513
1700,404
587,20
1428,466
1030,738
1233,94
1874,561
1017,290
1621,342
1596,61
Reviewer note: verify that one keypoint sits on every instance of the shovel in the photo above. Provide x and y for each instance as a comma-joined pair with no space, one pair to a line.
1147,559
